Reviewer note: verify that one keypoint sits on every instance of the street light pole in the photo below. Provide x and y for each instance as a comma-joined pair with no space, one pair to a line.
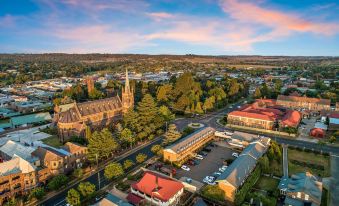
96,156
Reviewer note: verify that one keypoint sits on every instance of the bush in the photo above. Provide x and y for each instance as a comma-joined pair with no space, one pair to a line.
78,173
57,182
37,193
250,181
213,192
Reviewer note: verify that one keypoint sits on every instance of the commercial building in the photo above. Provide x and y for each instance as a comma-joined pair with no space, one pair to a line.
333,122
236,174
186,147
264,115
17,177
156,190
312,104
93,114
301,189
60,161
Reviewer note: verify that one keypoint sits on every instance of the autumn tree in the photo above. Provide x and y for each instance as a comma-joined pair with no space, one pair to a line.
172,134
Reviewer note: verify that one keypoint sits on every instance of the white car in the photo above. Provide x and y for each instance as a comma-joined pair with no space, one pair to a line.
224,167
234,154
184,167
199,157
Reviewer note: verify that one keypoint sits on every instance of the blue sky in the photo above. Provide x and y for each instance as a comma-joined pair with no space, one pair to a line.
210,27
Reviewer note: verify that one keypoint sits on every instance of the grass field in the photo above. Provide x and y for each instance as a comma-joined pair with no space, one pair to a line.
267,183
52,141
308,157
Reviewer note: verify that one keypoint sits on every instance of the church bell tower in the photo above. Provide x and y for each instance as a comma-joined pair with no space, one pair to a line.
127,96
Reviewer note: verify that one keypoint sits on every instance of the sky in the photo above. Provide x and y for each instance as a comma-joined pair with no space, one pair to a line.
206,27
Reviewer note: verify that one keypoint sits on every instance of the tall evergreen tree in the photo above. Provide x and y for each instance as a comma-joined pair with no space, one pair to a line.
101,145
172,134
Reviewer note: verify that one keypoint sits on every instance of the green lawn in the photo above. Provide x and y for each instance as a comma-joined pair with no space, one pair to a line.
308,157
267,183
213,192
52,141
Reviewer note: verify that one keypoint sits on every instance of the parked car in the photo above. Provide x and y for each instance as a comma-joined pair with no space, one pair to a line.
188,180
234,154
196,161
202,153
207,149
186,168
221,169
216,174
199,157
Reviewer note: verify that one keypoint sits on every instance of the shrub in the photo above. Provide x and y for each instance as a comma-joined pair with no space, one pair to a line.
57,182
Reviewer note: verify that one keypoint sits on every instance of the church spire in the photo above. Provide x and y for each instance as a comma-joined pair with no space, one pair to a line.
127,89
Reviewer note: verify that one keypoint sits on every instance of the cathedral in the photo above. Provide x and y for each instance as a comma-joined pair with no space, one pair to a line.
73,119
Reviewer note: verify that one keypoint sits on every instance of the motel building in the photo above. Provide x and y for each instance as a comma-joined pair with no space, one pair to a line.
155,189
187,146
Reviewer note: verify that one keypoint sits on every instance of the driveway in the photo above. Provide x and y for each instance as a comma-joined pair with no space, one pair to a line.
208,165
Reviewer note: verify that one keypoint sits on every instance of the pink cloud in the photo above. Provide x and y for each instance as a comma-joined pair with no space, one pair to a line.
98,38
285,22
158,16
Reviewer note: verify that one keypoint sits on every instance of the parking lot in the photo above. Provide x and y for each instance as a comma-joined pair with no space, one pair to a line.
208,165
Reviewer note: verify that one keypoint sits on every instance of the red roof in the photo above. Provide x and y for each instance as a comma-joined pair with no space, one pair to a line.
334,115
292,118
317,132
251,115
134,199
167,187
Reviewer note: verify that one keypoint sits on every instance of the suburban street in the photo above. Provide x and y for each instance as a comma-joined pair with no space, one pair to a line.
207,120
60,199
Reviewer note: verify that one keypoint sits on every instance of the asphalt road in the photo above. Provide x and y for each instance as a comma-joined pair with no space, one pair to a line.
60,199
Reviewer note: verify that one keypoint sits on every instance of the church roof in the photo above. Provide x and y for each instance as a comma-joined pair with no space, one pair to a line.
90,108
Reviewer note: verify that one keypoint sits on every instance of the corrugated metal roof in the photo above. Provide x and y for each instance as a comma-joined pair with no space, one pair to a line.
31,118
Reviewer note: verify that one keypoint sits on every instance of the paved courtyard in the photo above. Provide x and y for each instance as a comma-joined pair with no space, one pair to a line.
208,165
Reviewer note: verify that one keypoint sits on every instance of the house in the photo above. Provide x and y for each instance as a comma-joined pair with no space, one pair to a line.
79,152
11,148
58,161
236,174
94,114
156,189
186,147
112,200
301,189
333,121
17,177
313,104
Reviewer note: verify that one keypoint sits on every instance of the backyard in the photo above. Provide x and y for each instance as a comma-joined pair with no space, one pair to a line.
302,161
267,184
52,141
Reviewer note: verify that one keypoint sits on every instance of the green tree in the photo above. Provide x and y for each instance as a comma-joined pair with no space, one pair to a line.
157,149
141,157
57,182
95,94
332,139
166,113
172,134
131,120
209,103
78,173
101,145
198,108
73,197
128,164
164,93
11,202
127,136
265,164
86,189
38,193
148,114
257,93
88,132
113,170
